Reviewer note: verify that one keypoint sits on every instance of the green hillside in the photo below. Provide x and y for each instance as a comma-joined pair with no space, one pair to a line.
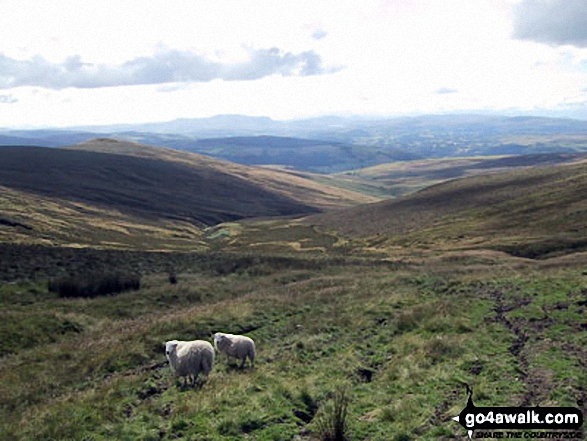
400,339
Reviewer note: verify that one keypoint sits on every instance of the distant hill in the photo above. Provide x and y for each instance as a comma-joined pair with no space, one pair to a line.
240,125
297,153
281,182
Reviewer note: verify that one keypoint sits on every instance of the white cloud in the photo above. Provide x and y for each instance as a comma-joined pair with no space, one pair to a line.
164,67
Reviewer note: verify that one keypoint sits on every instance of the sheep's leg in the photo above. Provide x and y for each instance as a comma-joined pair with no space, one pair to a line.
243,362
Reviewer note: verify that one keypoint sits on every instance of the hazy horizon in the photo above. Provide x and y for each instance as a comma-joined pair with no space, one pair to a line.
350,118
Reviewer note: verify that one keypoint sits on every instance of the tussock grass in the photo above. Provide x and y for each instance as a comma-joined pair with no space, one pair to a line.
94,286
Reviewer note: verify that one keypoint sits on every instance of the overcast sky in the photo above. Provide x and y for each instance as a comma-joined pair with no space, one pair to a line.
65,63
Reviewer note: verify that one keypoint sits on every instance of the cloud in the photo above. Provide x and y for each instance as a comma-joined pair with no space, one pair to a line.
319,34
8,99
167,66
554,22
446,90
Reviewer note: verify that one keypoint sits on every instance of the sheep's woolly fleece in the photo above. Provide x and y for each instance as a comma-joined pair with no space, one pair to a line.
189,359
238,346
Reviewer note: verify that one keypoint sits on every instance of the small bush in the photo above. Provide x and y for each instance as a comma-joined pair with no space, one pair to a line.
94,286
332,423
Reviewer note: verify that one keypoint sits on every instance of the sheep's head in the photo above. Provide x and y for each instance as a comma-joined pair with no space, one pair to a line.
170,347
219,340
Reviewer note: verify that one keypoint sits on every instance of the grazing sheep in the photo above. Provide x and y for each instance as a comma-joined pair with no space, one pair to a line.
238,346
190,358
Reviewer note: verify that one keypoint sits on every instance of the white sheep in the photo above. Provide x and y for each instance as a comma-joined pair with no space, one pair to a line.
190,358
238,346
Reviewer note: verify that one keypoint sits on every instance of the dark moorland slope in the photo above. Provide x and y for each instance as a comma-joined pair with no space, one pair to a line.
138,185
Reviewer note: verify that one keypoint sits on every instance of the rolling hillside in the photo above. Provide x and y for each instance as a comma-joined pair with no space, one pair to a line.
29,218
532,212
140,186
107,193
281,182
403,177
393,306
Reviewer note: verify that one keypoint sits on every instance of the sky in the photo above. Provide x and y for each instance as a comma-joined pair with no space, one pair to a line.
67,63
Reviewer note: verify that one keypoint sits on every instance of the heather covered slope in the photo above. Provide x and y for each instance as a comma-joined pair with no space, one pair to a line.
141,186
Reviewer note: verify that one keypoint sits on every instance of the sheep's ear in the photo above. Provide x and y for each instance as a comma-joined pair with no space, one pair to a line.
170,345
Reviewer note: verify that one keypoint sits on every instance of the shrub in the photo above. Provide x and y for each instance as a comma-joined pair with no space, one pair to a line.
94,286
332,423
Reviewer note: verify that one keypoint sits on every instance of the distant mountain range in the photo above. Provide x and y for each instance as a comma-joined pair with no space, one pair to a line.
332,144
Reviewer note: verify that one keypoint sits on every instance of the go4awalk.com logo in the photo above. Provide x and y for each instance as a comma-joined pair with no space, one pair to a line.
551,422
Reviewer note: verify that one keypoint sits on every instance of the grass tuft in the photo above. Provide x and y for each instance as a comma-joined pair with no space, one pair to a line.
332,421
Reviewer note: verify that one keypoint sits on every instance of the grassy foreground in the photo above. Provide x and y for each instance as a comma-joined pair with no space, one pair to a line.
400,340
